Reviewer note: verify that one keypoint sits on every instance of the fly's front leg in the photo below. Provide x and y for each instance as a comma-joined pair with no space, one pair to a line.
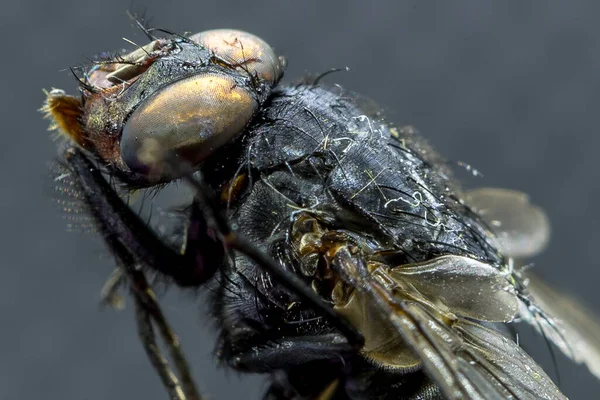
147,312
109,294
134,244
201,257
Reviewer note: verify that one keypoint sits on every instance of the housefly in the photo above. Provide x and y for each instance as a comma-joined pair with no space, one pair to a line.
346,260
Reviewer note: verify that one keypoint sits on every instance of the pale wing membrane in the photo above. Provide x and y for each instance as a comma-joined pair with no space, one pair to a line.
566,322
467,360
507,362
435,346
521,228
465,286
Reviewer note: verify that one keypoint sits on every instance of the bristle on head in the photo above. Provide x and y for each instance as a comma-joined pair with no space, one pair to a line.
64,112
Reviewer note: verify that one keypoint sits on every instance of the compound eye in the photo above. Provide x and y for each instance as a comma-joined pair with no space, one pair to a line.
191,117
243,51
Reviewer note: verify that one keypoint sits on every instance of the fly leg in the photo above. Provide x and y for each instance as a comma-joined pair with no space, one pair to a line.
134,244
148,313
312,367
147,310
158,361
290,352
109,294
191,266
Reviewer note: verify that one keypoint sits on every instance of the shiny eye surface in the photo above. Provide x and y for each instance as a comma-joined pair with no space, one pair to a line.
183,95
244,51
192,117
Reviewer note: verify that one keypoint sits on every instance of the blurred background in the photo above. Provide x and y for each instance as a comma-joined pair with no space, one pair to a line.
509,87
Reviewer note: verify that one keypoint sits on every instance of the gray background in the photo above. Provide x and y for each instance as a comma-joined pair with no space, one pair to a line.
510,87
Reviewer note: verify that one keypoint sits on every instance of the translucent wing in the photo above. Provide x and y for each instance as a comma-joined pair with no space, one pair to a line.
424,306
566,322
522,230
470,361
465,286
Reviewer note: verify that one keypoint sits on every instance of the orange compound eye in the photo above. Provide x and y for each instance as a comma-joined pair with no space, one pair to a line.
192,117
243,50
